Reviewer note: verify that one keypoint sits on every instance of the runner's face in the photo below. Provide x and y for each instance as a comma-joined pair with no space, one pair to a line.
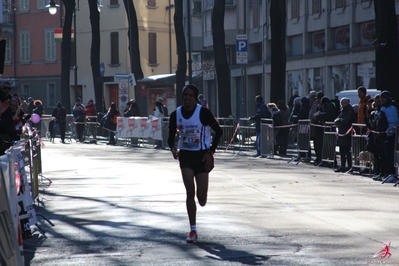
189,100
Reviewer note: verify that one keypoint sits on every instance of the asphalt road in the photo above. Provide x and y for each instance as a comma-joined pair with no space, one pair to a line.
116,205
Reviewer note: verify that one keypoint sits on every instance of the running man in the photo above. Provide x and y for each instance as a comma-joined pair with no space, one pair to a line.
194,151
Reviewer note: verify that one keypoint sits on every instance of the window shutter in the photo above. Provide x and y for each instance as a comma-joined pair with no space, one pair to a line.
114,48
152,48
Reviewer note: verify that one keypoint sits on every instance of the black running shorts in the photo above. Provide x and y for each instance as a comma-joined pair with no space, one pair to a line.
193,160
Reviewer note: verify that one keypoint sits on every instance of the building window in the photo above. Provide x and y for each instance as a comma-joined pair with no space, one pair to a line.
41,4
49,44
115,48
315,6
25,89
152,48
339,3
229,2
51,95
294,8
24,40
151,3
197,7
7,55
255,13
113,2
23,5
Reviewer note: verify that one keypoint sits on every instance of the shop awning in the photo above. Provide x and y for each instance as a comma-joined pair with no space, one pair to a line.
159,80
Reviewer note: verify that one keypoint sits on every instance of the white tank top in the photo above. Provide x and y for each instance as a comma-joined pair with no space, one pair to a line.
193,135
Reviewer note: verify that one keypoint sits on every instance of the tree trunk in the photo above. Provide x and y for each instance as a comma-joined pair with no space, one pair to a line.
95,54
221,63
278,58
181,50
66,54
386,53
133,37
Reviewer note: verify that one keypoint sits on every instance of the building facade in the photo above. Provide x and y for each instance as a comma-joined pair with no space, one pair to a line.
157,51
32,60
328,46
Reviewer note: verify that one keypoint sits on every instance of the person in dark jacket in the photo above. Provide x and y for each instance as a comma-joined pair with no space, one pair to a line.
39,110
132,109
387,121
325,113
303,113
371,139
59,117
79,117
344,124
261,112
110,122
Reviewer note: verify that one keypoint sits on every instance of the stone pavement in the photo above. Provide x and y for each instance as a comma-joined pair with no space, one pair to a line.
117,205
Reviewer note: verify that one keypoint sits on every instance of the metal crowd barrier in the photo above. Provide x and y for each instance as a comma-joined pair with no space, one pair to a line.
329,153
267,138
247,134
227,125
358,145
303,140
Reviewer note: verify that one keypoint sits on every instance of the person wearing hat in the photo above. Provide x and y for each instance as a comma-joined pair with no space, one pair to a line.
344,124
386,122
194,151
79,117
58,116
261,112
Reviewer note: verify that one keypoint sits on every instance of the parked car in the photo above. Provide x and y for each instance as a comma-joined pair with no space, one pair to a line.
352,95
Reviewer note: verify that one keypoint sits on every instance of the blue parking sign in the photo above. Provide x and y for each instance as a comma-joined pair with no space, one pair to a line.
241,45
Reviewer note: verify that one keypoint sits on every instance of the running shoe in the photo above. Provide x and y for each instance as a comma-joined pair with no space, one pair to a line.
192,237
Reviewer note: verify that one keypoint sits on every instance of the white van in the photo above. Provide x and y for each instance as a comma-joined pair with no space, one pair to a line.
352,95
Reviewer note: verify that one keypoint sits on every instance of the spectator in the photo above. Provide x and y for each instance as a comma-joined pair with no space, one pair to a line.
282,135
91,113
31,105
386,123
5,91
202,101
362,109
24,105
160,109
303,113
344,124
7,128
110,122
17,116
132,109
79,117
371,138
39,110
58,116
325,113
261,112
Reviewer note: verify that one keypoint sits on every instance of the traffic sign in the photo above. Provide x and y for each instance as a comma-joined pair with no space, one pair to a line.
241,49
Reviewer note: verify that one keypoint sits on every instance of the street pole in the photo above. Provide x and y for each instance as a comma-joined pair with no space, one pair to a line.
75,67
170,38
190,69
